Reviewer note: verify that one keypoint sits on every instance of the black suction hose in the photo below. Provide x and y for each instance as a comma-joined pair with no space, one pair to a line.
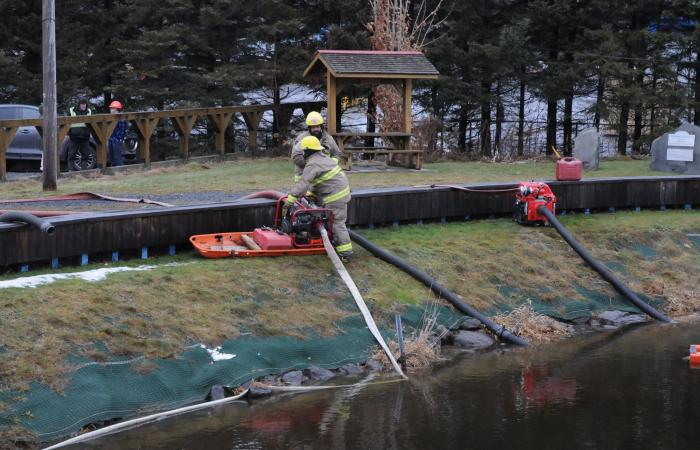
18,216
600,268
424,278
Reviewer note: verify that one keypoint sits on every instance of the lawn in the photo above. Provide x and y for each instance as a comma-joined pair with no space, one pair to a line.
256,174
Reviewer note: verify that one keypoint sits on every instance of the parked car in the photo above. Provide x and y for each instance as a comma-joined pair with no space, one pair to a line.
26,146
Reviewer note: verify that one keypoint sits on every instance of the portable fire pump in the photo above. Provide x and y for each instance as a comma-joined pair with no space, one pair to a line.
296,231
529,197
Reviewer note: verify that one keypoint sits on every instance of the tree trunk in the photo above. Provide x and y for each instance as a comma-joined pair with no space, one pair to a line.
276,100
462,138
652,108
371,116
568,108
638,107
521,118
622,128
500,116
552,98
485,127
637,133
470,143
600,92
696,113
551,126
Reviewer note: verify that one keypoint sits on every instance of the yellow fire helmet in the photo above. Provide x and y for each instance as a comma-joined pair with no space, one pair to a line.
311,143
314,119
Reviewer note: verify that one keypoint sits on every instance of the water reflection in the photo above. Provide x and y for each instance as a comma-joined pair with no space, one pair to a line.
629,389
537,389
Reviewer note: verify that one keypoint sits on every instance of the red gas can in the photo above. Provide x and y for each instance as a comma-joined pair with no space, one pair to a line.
569,169
272,240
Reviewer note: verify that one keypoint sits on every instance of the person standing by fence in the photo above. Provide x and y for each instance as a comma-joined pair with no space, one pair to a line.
116,140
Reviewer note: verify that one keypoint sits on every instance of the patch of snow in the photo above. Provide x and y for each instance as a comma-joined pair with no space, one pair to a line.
216,354
88,275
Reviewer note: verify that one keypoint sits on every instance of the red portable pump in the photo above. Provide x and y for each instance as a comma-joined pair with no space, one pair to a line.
529,197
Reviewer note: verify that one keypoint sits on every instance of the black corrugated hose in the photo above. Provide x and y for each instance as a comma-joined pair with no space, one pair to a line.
439,290
18,216
600,268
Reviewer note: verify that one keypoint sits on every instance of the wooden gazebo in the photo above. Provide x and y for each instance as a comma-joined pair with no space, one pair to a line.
351,67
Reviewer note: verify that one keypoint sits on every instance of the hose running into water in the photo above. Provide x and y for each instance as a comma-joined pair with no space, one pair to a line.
126,425
343,273
600,268
440,291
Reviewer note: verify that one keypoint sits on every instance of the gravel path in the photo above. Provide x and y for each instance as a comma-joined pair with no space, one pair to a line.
187,198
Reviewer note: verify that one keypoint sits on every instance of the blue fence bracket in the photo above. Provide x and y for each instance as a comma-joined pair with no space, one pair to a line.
84,260
144,252
54,263
115,256
171,249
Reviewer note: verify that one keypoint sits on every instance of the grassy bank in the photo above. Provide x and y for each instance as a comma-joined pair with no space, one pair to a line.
494,264
250,175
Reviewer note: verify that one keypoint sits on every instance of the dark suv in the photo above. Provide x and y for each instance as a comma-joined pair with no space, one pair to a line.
26,146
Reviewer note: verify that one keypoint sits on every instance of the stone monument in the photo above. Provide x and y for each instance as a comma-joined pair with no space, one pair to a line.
677,151
586,148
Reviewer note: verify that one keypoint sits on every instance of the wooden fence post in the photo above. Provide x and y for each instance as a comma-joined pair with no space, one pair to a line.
145,127
102,132
220,121
252,120
183,125
7,134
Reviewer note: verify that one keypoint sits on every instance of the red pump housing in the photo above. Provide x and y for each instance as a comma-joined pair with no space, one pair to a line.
530,196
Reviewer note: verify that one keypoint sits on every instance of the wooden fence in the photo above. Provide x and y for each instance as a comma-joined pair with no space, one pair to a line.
183,120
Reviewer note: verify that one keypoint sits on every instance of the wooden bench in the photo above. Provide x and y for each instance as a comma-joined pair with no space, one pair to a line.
399,141
415,157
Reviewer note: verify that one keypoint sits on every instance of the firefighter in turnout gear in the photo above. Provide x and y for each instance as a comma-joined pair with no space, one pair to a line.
326,180
314,122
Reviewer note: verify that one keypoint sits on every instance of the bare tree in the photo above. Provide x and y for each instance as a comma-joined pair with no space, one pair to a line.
394,29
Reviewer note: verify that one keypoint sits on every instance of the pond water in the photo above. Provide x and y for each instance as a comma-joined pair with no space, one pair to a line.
626,388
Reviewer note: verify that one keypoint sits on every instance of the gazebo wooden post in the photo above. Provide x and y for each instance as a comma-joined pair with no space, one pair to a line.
407,114
331,105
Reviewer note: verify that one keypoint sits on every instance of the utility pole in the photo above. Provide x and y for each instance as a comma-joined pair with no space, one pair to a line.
48,114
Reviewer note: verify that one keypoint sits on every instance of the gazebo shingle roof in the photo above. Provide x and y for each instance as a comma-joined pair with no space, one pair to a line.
353,63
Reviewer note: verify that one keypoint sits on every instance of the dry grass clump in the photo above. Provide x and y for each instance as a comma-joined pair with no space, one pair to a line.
16,437
420,350
679,301
530,325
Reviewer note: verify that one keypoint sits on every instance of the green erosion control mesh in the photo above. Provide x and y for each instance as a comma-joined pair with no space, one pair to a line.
589,302
103,391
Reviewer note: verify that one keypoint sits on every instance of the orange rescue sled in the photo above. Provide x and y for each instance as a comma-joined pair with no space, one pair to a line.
297,233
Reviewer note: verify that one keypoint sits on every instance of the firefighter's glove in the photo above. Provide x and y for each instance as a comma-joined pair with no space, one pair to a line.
287,204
